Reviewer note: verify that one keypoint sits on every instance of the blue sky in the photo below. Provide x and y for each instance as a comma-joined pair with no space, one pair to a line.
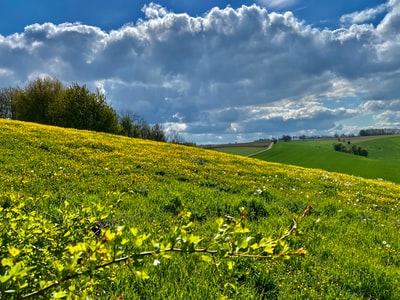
108,15
217,71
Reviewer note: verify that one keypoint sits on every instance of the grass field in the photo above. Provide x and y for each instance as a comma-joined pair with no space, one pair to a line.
57,181
383,160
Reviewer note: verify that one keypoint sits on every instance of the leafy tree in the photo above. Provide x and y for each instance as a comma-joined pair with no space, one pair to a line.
32,103
363,152
79,108
339,147
356,150
127,126
378,131
48,101
133,125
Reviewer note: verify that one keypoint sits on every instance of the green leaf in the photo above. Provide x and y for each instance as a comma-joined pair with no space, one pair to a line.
124,241
220,221
243,244
59,295
230,264
206,258
5,278
14,251
269,248
194,239
142,275
15,269
7,262
134,231
241,230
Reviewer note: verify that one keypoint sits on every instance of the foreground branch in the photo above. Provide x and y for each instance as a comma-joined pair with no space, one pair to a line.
230,253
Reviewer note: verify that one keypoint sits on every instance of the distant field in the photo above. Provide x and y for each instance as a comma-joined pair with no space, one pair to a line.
245,151
383,160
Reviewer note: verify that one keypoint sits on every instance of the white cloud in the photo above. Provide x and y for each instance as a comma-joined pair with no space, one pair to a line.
230,72
277,3
363,16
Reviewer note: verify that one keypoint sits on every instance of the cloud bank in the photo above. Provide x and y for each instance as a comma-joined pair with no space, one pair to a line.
229,75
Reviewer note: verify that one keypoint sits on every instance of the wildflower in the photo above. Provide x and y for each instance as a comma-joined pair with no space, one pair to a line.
258,192
156,262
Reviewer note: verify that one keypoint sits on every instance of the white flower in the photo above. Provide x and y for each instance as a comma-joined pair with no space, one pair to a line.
156,262
258,191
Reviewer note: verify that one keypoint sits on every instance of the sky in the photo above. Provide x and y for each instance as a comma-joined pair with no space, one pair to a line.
217,71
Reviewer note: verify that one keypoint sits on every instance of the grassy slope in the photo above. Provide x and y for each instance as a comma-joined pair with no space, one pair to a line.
345,235
383,160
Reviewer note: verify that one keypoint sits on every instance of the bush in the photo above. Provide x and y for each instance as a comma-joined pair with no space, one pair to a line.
356,150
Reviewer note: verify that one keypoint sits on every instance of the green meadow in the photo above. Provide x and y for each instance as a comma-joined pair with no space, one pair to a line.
383,160
98,216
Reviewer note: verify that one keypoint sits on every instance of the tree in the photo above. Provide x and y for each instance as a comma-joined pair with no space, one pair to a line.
174,137
339,147
48,101
363,152
6,102
127,127
157,133
79,108
32,103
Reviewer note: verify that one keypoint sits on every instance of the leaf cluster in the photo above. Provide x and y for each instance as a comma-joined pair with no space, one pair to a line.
75,253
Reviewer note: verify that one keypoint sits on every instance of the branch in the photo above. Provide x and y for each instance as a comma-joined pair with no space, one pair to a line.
173,249
103,265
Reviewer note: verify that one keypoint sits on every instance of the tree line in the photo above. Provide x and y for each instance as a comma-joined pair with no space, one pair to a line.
378,131
354,149
48,101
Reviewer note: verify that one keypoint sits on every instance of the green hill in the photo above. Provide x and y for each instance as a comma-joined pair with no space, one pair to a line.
383,159
95,215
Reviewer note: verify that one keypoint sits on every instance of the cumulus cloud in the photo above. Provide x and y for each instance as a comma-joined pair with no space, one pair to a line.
229,74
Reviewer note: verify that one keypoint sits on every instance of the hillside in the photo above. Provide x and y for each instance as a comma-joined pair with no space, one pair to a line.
382,162
68,180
